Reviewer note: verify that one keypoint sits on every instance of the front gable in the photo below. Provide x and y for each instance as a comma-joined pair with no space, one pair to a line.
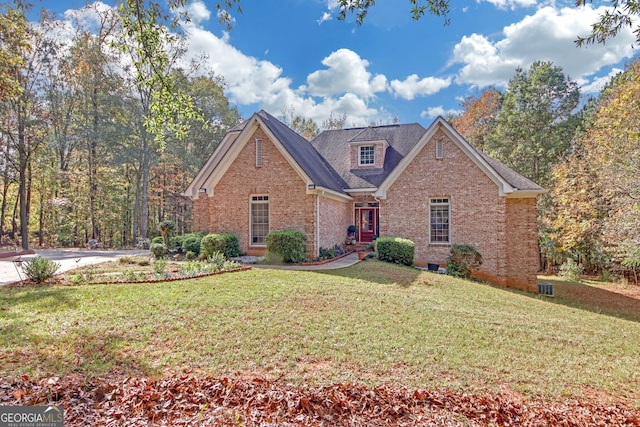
436,136
254,133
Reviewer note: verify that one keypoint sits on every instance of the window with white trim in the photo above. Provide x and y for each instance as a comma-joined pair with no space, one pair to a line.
440,220
258,152
259,221
439,149
367,155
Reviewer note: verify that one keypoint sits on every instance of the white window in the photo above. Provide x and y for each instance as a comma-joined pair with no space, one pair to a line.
439,149
439,219
367,155
258,152
259,222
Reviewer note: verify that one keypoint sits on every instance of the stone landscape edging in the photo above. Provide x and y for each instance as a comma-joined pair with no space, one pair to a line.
169,279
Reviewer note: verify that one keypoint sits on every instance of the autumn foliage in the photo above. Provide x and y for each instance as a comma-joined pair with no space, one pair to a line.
189,401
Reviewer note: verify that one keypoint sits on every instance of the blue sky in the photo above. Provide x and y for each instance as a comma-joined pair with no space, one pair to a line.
295,54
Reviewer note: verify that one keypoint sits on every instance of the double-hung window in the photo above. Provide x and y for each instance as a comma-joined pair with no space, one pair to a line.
440,220
367,155
259,221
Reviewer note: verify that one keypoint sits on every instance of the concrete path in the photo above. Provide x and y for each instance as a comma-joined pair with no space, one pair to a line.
346,261
67,258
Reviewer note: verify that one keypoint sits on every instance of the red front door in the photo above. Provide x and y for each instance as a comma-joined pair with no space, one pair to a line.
366,220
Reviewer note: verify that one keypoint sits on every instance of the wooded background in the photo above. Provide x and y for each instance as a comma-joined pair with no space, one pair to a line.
101,131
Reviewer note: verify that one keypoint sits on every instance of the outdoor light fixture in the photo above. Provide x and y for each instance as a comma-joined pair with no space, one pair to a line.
203,189
311,186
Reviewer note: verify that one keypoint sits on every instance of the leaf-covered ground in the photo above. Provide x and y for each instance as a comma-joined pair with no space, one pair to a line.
205,401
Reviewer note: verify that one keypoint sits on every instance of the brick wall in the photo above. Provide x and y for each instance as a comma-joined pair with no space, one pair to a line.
335,217
290,208
522,235
500,228
380,151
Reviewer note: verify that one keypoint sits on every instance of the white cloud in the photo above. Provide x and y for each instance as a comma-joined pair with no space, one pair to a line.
412,86
599,83
547,35
345,86
346,72
198,12
512,4
324,18
433,112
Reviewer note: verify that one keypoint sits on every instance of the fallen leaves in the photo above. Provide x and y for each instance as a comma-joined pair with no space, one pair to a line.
191,401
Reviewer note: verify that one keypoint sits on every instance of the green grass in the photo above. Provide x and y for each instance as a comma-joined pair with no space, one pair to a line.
371,323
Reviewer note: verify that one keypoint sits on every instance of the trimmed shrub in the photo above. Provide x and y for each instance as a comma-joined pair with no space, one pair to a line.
158,250
191,243
396,250
288,245
157,239
463,259
39,269
226,243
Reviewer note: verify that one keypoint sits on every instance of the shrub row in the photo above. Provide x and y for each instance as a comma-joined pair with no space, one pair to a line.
396,250
225,243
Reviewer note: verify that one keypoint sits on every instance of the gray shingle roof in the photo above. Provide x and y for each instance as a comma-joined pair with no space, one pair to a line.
334,146
327,158
303,153
512,177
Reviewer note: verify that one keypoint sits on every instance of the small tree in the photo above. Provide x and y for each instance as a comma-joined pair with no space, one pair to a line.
462,260
166,227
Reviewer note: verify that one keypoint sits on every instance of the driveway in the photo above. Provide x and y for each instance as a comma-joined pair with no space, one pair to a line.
67,258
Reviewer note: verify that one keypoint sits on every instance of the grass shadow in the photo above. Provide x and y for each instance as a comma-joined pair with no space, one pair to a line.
594,298
378,272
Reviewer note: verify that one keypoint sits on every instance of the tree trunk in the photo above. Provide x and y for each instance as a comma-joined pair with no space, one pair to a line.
23,162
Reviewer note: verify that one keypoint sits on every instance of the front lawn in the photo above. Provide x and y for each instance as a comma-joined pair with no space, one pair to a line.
372,324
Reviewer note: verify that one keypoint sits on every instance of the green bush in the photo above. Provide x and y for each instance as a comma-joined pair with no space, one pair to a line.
191,243
327,253
226,243
39,269
463,259
157,239
159,266
396,250
571,270
288,245
158,250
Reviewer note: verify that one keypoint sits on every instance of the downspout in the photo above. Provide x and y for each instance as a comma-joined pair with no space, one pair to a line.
317,225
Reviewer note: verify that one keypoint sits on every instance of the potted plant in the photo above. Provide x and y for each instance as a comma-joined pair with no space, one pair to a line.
351,235
361,253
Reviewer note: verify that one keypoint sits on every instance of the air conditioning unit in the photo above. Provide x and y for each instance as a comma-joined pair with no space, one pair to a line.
545,289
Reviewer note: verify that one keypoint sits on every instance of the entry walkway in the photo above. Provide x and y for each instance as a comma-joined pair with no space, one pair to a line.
345,261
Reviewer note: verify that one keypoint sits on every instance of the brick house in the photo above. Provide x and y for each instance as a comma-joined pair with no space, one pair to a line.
426,185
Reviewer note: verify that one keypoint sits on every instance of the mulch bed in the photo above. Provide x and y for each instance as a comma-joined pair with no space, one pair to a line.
192,401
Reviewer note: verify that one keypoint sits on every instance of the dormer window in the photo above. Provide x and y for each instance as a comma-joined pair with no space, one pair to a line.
367,155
